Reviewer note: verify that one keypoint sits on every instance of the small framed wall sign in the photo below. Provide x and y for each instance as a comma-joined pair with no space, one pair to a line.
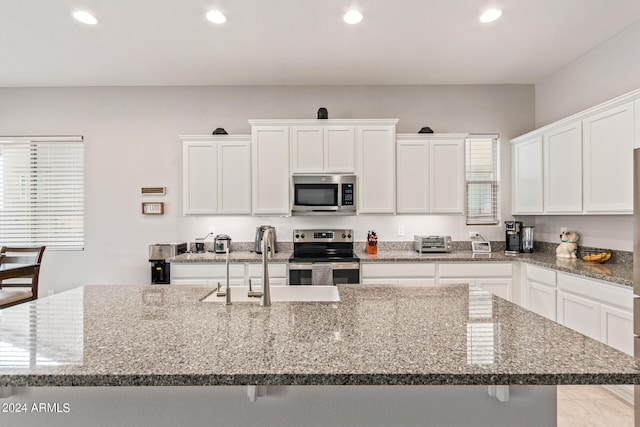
153,208
153,191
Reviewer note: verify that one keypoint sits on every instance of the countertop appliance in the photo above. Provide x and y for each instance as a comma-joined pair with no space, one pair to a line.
323,257
221,243
513,237
158,255
527,239
331,194
427,244
258,240
636,271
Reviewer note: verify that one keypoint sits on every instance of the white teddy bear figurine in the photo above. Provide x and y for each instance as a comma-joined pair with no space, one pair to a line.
568,245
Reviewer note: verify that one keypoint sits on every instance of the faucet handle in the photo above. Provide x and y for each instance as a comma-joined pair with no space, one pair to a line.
252,293
220,293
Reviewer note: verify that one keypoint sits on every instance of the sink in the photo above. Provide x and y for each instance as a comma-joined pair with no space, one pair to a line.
282,294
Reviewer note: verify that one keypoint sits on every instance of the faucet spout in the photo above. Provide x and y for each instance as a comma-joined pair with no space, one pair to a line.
267,247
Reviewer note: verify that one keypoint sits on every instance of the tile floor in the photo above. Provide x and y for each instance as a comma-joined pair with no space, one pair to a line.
592,406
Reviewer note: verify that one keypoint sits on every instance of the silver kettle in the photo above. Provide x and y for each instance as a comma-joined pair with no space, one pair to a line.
259,233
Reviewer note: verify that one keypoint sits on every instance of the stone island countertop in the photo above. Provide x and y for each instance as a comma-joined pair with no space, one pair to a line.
129,335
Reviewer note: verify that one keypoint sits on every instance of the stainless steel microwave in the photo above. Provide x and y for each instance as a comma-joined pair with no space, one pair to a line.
330,194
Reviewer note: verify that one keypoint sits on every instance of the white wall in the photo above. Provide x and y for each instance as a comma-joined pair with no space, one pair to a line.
607,71
131,142
610,70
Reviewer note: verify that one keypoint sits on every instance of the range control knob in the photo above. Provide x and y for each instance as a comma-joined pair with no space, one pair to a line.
349,235
344,236
302,235
297,236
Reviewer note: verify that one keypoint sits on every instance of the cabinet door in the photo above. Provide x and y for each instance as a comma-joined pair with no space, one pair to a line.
608,161
500,287
307,149
270,170
579,314
376,169
527,173
617,328
636,123
412,187
541,300
563,170
234,178
339,149
199,178
446,173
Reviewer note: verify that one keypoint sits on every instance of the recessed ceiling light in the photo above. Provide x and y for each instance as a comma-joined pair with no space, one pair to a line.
85,17
353,17
216,17
490,15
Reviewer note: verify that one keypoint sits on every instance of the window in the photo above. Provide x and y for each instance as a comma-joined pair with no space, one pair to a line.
481,152
42,191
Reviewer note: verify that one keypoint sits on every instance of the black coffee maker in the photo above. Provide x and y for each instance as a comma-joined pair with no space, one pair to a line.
513,237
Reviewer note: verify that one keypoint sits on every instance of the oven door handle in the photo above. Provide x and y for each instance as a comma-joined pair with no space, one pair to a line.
334,265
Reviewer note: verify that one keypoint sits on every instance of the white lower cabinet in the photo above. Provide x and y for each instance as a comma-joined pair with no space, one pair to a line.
277,274
600,310
210,274
579,314
495,277
539,293
542,300
206,274
398,274
616,326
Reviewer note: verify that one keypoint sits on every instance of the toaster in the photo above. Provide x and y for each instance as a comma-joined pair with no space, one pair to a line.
427,244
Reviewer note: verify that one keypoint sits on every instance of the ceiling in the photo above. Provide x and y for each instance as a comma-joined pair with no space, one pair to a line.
299,42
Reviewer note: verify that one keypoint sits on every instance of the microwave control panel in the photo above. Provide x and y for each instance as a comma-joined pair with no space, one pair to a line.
347,194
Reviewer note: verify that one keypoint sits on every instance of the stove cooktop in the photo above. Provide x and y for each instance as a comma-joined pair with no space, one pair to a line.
320,258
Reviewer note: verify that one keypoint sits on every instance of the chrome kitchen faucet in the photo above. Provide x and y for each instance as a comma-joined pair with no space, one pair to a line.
268,244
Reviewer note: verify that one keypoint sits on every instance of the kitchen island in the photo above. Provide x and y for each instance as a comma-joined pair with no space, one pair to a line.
403,346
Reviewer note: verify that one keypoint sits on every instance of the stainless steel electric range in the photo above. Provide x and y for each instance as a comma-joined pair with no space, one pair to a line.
323,257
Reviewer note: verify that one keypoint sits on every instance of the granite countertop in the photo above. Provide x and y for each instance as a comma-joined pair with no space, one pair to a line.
621,274
130,335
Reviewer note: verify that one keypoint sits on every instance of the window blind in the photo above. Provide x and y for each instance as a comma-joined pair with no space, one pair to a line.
42,191
481,153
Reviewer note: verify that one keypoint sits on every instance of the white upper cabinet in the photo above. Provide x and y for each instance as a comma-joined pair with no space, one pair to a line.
412,187
430,173
586,162
216,175
307,149
563,169
608,161
234,184
527,176
318,149
270,170
339,149
636,124
376,169
446,169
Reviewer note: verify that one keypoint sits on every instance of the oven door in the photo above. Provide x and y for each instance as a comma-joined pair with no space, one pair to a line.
300,273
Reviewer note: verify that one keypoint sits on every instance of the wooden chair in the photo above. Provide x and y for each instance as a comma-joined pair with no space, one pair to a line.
24,288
